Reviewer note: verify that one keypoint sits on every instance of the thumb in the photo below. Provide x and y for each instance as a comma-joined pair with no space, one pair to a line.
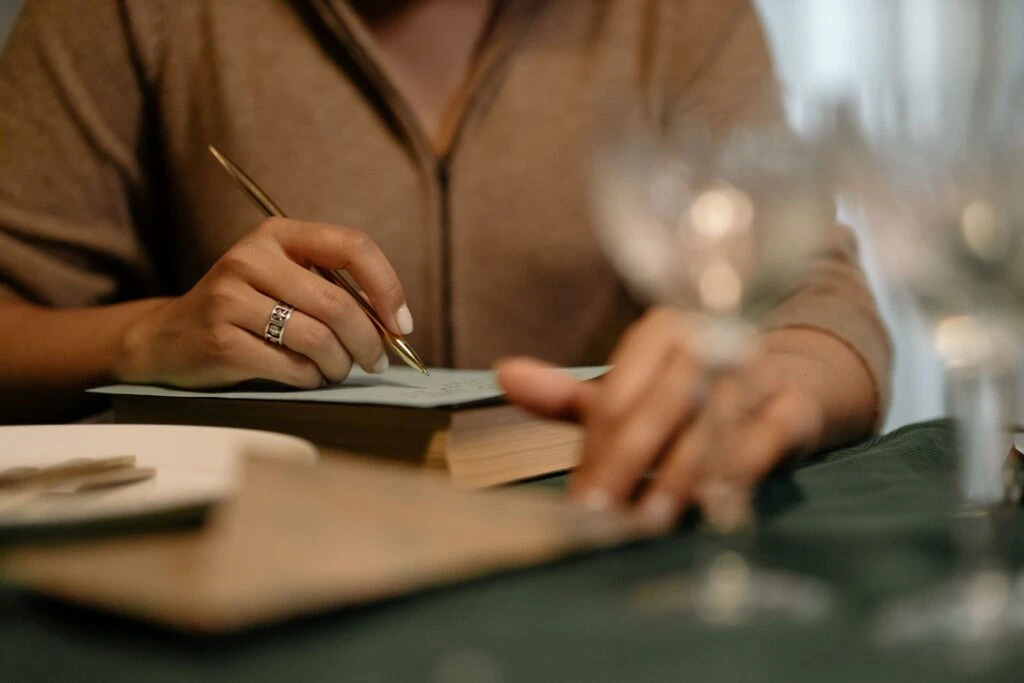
543,389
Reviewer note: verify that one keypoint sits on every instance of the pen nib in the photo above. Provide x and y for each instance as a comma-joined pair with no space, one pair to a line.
406,353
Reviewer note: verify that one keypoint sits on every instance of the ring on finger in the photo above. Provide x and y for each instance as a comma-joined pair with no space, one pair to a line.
277,323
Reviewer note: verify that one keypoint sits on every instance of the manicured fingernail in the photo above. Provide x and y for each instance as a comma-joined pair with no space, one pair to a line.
382,364
597,500
659,511
404,319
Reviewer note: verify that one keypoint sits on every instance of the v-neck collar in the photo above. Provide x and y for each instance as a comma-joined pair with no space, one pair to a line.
504,33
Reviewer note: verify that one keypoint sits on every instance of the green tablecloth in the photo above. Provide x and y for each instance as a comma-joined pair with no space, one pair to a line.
870,520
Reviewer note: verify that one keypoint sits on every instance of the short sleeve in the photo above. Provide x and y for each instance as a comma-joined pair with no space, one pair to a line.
73,194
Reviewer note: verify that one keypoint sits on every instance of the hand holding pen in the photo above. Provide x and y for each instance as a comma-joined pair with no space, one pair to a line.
275,307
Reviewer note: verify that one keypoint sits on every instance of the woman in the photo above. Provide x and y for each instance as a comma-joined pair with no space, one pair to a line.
441,145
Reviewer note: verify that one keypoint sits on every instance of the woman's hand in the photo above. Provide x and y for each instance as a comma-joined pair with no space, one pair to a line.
213,335
652,414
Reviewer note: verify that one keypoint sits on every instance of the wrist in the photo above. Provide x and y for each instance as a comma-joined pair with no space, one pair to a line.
831,376
799,378
133,361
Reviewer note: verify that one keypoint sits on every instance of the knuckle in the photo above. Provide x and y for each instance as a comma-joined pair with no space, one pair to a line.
271,227
391,288
232,260
334,300
238,261
358,242
217,342
221,298
609,411
321,338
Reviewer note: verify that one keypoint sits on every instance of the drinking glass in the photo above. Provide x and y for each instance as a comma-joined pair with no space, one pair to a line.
721,224
927,105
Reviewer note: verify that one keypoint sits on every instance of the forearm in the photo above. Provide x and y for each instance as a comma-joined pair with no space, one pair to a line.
49,356
832,373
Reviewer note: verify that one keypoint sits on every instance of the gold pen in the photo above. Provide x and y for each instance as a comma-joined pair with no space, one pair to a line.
397,343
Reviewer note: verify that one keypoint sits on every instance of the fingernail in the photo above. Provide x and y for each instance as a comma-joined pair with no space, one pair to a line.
404,320
659,511
382,364
597,500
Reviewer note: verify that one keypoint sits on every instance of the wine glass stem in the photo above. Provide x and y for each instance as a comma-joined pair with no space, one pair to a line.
728,502
983,400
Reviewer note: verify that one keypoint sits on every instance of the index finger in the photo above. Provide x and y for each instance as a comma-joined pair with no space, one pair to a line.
338,248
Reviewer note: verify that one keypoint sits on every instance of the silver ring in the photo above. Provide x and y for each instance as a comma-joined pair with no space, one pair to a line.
278,321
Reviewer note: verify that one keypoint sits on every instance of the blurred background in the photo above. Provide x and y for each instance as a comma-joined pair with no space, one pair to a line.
917,390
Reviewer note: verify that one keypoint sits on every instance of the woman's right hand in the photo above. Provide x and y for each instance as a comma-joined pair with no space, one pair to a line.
213,335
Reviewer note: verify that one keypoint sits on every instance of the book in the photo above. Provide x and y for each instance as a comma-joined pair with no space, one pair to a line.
454,420
298,539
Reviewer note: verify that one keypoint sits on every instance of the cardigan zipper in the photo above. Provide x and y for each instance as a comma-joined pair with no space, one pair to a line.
508,34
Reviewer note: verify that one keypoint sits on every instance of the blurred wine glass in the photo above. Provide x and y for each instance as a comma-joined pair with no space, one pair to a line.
928,104
721,224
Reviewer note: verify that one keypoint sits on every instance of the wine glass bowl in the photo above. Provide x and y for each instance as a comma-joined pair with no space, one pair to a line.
948,222
719,225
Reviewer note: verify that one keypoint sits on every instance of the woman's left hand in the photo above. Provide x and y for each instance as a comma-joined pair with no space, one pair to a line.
653,415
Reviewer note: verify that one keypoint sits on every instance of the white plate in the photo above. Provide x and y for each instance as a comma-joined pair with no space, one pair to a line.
196,467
